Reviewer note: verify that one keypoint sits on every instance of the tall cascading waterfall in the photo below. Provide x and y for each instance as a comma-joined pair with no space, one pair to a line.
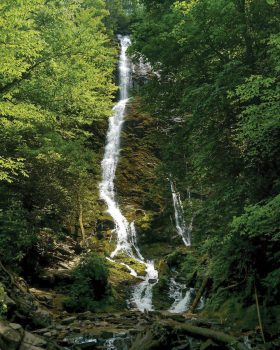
126,233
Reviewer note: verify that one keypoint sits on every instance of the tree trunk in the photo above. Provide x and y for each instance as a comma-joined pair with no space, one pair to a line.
199,294
81,224
259,314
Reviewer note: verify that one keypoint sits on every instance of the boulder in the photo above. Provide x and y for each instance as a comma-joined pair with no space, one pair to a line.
10,338
50,277
41,318
17,327
30,340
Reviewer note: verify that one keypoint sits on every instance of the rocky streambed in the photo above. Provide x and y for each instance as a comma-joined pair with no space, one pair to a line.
126,330
37,320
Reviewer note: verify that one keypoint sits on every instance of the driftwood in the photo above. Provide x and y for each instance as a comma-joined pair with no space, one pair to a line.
204,333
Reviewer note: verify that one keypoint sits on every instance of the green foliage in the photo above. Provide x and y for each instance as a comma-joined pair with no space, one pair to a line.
216,101
56,87
16,236
10,168
90,285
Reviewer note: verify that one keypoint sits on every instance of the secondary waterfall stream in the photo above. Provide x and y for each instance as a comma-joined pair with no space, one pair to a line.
183,230
125,231
177,291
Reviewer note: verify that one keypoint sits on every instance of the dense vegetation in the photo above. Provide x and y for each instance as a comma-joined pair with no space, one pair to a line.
216,98
90,284
56,83
210,116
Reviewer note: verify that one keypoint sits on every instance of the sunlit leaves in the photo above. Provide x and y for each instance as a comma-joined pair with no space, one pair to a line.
11,168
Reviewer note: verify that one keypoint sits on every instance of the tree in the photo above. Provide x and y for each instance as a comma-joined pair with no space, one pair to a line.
216,99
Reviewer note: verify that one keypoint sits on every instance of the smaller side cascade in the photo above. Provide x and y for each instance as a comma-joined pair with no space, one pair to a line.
181,295
183,230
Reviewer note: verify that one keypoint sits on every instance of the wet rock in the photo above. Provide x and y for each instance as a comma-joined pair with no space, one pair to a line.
68,320
82,342
89,344
33,340
10,338
41,331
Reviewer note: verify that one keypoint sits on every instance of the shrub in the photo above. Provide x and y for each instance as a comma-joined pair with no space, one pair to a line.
16,235
90,286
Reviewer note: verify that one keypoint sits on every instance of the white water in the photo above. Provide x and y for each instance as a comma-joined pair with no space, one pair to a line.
143,292
183,230
126,233
181,295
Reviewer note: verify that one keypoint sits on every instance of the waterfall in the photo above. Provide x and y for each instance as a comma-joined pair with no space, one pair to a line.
177,291
183,230
181,295
125,231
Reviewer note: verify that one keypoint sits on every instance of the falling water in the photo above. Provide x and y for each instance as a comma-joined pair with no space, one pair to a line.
181,295
126,233
183,230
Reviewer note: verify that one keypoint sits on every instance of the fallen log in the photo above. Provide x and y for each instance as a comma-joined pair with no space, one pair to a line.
204,333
